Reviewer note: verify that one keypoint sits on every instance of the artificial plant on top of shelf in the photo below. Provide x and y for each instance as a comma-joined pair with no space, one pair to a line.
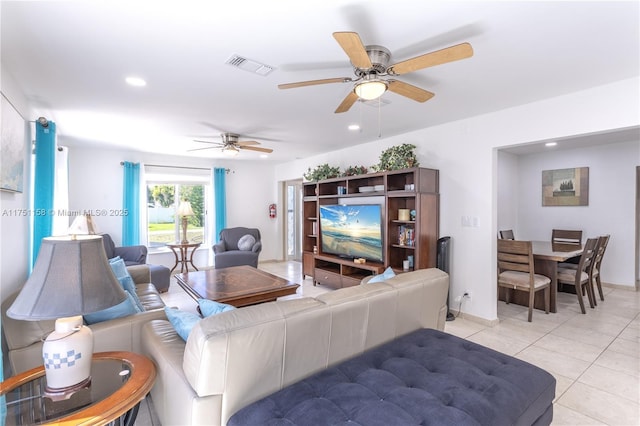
354,171
321,172
398,157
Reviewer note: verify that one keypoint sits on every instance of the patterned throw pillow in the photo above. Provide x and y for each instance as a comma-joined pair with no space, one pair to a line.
246,242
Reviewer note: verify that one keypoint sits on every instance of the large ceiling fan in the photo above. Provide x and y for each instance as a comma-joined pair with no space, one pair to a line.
371,64
230,144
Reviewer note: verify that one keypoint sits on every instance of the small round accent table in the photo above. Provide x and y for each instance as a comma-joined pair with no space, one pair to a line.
119,381
181,252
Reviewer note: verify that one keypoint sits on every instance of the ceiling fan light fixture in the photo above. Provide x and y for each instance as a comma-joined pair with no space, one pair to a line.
371,89
230,150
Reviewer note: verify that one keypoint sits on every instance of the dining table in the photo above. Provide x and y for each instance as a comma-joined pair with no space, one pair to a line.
546,256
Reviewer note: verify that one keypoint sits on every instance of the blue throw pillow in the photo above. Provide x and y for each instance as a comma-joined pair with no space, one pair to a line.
120,271
388,273
211,307
181,321
123,309
118,266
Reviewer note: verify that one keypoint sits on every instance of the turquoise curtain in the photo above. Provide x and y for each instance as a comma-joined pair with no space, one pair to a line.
131,204
220,197
43,184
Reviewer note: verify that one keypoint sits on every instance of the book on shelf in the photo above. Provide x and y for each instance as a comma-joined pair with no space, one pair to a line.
406,236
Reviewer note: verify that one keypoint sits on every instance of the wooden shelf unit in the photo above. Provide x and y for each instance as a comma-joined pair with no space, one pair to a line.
310,227
413,189
336,272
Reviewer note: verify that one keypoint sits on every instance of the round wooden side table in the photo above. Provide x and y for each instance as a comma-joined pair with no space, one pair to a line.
119,381
181,252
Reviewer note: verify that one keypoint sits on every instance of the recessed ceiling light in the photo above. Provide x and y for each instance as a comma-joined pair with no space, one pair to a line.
135,81
264,156
551,144
354,127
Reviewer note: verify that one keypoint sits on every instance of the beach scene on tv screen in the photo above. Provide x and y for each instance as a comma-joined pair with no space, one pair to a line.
352,231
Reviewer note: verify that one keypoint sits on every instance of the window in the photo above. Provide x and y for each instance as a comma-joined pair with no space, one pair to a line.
165,190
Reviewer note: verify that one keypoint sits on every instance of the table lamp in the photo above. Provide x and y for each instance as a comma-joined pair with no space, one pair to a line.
184,210
71,277
83,224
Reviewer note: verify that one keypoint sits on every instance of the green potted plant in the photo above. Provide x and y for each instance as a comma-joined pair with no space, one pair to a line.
398,157
321,172
355,170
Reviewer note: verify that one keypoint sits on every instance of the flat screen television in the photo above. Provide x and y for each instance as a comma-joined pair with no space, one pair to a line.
352,231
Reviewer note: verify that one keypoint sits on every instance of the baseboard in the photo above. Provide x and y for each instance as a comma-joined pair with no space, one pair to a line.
275,261
621,286
473,318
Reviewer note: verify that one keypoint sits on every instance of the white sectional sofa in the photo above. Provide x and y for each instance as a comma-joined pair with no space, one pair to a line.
235,358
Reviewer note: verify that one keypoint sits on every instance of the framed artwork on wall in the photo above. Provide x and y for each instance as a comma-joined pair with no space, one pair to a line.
565,187
11,148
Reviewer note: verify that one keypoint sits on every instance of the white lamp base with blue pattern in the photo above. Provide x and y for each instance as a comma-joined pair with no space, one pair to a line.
67,356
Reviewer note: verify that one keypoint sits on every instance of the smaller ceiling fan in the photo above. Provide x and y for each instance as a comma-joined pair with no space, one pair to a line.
230,145
371,66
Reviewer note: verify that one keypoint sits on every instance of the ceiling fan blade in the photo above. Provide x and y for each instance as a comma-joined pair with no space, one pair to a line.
314,82
245,143
409,90
353,47
255,148
200,149
347,102
209,142
450,54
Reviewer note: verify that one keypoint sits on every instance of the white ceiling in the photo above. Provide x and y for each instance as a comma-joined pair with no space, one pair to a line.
70,59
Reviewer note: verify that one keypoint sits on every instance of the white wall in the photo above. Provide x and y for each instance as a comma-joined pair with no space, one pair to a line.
611,208
15,214
508,195
95,182
465,153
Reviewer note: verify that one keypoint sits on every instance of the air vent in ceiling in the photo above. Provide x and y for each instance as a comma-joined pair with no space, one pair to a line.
249,65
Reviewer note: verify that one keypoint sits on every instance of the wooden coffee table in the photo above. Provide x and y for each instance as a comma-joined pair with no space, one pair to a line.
237,285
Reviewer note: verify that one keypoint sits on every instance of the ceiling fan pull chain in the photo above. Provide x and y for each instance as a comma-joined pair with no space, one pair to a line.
379,117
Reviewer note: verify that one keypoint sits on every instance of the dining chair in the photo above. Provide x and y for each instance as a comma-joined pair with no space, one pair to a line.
601,247
566,236
515,272
507,234
594,271
580,277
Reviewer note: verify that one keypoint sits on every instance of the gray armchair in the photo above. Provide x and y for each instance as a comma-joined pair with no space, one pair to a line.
234,249
132,255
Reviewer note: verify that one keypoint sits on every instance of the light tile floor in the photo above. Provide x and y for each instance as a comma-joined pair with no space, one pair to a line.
595,358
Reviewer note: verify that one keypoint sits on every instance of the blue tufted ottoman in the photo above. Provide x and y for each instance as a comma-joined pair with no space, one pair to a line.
426,377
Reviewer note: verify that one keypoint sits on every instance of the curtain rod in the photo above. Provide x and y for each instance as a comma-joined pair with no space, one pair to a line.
180,167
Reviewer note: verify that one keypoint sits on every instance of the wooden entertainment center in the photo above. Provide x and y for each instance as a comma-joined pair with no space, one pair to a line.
414,189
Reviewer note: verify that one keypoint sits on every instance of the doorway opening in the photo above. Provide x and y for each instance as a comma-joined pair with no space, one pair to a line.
293,220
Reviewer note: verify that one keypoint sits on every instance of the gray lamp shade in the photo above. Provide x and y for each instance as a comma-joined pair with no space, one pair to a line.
72,276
